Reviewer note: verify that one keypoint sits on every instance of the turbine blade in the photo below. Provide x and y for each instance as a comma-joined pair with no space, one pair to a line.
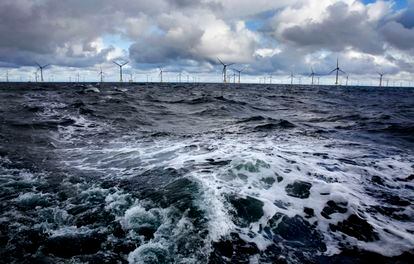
342,71
220,61
331,71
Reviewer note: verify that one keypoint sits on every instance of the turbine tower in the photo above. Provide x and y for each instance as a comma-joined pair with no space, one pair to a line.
101,74
179,77
291,78
41,70
337,69
36,75
7,76
161,71
239,73
120,68
381,74
225,70
312,75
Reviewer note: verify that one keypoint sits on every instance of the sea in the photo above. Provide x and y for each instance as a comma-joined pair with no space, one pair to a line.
206,173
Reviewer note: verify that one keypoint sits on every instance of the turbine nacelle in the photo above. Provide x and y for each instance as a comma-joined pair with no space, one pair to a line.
41,69
224,69
120,68
337,70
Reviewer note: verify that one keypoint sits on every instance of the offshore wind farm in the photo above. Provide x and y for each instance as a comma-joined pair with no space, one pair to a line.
340,77
206,131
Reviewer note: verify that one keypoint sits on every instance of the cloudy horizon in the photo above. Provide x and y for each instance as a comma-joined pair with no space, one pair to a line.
265,37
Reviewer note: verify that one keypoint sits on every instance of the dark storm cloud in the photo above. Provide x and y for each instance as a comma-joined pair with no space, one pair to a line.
160,49
400,32
340,29
399,36
62,31
407,17
42,30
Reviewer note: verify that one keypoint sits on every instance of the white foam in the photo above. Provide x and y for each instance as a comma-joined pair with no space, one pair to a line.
253,159
138,217
153,252
31,198
117,201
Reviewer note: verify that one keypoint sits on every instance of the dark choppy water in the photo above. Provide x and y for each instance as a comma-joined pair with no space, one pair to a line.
201,174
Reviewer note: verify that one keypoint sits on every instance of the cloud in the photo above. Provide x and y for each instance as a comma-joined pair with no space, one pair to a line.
199,37
190,34
341,27
398,36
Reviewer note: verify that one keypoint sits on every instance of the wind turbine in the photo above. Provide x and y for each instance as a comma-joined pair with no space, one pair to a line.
41,70
291,77
36,75
381,74
239,73
312,74
225,69
101,74
347,79
337,69
161,71
7,76
120,68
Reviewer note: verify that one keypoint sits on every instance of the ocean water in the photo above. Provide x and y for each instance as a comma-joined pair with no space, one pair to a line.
206,173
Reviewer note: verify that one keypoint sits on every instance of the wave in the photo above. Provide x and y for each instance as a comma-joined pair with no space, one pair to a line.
178,174
281,124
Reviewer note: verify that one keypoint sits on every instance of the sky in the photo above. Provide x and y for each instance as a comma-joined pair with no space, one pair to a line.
263,37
